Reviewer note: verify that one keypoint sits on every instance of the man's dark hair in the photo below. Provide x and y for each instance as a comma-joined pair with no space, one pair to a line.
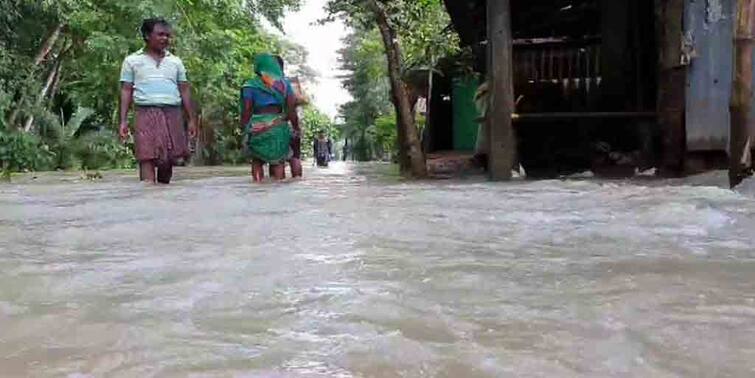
280,62
149,25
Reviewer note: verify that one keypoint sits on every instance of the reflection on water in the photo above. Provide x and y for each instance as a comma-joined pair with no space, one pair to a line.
355,273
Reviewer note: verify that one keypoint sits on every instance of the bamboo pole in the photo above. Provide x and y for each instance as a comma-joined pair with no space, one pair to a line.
43,94
740,140
56,83
51,84
48,45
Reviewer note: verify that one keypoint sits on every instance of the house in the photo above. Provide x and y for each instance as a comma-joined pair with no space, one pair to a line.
608,85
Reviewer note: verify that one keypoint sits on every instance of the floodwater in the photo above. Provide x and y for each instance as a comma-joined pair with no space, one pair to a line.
355,273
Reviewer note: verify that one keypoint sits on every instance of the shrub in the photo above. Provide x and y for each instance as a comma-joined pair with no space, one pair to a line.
22,152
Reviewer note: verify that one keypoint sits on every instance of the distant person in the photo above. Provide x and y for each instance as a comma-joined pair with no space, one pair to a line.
323,149
155,81
268,118
295,161
346,150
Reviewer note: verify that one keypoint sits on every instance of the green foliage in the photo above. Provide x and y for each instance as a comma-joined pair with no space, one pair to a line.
273,10
19,151
421,26
228,147
363,58
67,144
5,101
101,149
384,134
22,152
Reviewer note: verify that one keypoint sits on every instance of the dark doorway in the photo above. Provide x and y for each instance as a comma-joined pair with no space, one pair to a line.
585,72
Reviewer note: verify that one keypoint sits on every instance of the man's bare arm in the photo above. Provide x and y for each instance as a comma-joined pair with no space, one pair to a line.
127,95
188,105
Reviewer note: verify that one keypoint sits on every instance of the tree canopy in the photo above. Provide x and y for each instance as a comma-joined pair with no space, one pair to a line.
424,37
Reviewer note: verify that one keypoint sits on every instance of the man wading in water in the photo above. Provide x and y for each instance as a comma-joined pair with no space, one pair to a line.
323,149
155,81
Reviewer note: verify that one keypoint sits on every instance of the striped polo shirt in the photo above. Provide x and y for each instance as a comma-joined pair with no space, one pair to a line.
154,85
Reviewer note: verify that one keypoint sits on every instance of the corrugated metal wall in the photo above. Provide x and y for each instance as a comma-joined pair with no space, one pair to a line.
709,27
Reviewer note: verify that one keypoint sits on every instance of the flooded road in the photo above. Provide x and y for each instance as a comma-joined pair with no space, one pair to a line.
353,273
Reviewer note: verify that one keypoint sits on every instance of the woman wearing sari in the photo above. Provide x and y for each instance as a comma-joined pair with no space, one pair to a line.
268,118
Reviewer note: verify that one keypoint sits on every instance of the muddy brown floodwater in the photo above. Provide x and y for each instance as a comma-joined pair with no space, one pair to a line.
355,273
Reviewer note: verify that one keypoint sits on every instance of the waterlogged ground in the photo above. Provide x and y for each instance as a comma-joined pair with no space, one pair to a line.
354,273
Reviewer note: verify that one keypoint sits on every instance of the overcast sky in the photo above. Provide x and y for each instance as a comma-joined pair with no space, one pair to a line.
323,43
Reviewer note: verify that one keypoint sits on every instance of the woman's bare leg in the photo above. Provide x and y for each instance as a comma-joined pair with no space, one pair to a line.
279,171
272,172
296,168
147,171
258,171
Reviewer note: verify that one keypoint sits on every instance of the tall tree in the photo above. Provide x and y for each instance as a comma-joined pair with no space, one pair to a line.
399,22
366,79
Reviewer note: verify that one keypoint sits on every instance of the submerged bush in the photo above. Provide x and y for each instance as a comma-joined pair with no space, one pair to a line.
21,152
102,150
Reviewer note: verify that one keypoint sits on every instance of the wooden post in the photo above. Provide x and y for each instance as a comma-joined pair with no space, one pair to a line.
427,141
501,136
740,140
672,79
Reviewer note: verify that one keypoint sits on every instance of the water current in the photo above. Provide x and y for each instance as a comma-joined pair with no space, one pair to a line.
356,273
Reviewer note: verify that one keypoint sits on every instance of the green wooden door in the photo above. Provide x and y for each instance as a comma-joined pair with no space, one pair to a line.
465,113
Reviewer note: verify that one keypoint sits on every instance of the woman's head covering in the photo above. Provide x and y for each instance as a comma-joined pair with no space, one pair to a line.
267,67
268,72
